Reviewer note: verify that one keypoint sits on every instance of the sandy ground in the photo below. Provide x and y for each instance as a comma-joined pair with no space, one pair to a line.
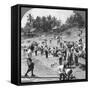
43,69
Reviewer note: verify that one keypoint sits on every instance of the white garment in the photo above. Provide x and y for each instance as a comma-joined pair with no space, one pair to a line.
84,47
60,69
29,53
67,70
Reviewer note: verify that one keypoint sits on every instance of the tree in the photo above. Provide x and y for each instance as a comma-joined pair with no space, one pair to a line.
44,24
27,27
37,22
75,20
29,24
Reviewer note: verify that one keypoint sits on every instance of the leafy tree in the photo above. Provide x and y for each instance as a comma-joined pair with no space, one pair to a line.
41,23
37,22
75,20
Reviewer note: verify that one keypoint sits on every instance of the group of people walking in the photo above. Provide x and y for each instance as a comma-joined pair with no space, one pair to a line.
67,52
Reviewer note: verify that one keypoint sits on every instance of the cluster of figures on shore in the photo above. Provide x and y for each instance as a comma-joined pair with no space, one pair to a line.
67,52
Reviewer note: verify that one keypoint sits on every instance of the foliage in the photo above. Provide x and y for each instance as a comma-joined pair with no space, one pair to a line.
42,23
75,20
47,23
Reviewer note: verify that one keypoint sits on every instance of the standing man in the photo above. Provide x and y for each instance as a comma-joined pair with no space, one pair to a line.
32,47
60,59
76,53
42,49
46,51
29,53
36,49
61,71
69,57
30,67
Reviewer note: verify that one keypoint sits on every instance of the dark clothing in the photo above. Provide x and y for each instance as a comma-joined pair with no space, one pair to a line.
60,61
70,57
65,53
46,53
76,57
41,51
36,53
32,48
62,76
76,60
30,67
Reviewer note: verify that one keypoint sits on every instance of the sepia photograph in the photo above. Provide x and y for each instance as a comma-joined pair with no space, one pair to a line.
53,44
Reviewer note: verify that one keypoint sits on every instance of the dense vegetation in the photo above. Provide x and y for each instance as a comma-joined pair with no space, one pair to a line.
47,24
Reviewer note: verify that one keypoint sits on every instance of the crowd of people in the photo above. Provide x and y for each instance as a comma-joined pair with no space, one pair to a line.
66,51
